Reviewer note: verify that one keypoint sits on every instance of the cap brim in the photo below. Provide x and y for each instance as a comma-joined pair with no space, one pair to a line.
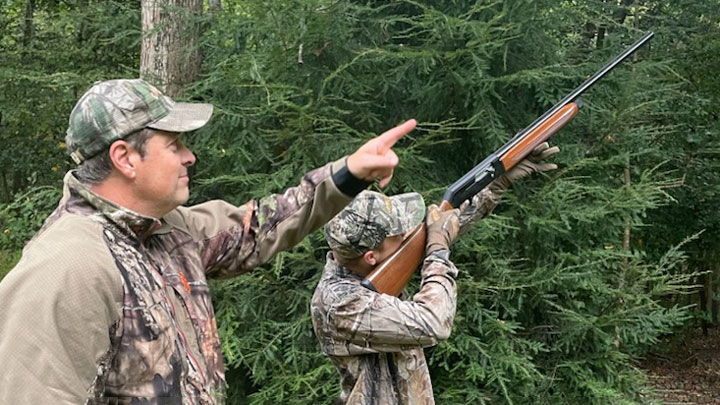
184,117
409,208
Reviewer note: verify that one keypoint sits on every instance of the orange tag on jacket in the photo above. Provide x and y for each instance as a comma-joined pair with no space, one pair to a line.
185,282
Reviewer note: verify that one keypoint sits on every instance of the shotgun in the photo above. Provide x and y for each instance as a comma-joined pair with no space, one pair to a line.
392,274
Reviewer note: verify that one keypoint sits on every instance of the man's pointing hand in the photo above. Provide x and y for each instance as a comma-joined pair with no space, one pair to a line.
376,159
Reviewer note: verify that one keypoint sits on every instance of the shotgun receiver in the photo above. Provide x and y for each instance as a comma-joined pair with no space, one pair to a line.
391,276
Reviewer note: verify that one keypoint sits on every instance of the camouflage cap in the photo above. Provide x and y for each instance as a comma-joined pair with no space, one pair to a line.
114,109
369,219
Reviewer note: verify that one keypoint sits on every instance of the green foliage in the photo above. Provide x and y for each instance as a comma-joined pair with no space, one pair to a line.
279,354
553,306
695,145
20,219
8,259
44,72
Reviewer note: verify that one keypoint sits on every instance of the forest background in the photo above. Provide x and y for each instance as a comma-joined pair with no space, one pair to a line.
572,279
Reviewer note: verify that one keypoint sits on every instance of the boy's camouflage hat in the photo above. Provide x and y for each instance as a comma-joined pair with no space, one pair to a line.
114,109
369,219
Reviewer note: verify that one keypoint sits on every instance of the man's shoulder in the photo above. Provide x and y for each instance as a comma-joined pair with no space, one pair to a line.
71,249
68,230
205,219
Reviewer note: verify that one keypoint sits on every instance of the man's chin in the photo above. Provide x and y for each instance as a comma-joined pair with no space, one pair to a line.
183,197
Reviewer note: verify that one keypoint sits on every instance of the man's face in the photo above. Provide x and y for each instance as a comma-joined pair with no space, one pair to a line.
162,175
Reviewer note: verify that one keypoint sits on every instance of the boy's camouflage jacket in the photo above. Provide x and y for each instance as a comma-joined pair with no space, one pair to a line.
376,340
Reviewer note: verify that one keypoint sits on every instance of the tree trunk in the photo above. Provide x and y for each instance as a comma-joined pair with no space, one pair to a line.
703,303
214,6
600,40
5,188
18,181
589,33
169,57
626,247
712,293
82,33
709,295
28,24
626,233
622,12
619,15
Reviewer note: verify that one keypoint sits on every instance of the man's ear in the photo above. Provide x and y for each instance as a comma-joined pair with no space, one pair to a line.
121,156
369,257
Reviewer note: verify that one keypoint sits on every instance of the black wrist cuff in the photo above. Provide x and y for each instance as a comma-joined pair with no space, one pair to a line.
347,183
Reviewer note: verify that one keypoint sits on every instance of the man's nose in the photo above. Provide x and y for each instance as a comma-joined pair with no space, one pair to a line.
188,158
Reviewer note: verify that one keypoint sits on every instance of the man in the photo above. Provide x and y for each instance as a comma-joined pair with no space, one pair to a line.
376,340
110,301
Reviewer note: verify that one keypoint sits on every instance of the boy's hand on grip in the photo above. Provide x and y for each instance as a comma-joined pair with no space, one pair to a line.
442,228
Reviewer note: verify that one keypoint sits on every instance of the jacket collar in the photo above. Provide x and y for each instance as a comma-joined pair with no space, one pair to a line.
131,222
337,269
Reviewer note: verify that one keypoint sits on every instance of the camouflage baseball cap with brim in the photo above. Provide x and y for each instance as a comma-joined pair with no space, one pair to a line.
115,109
369,219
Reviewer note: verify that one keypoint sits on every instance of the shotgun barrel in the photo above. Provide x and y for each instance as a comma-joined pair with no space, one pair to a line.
391,276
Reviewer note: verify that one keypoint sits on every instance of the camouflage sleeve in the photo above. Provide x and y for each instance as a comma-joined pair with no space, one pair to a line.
234,240
369,322
480,205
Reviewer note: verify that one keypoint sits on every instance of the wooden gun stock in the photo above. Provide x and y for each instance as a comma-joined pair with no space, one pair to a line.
540,134
391,276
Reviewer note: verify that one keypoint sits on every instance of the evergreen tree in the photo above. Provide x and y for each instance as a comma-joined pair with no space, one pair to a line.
553,306
572,278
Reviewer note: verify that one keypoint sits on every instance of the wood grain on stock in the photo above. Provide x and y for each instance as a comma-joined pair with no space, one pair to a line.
539,135
393,274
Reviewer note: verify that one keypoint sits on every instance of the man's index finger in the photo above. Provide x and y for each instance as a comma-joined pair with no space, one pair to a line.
391,136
